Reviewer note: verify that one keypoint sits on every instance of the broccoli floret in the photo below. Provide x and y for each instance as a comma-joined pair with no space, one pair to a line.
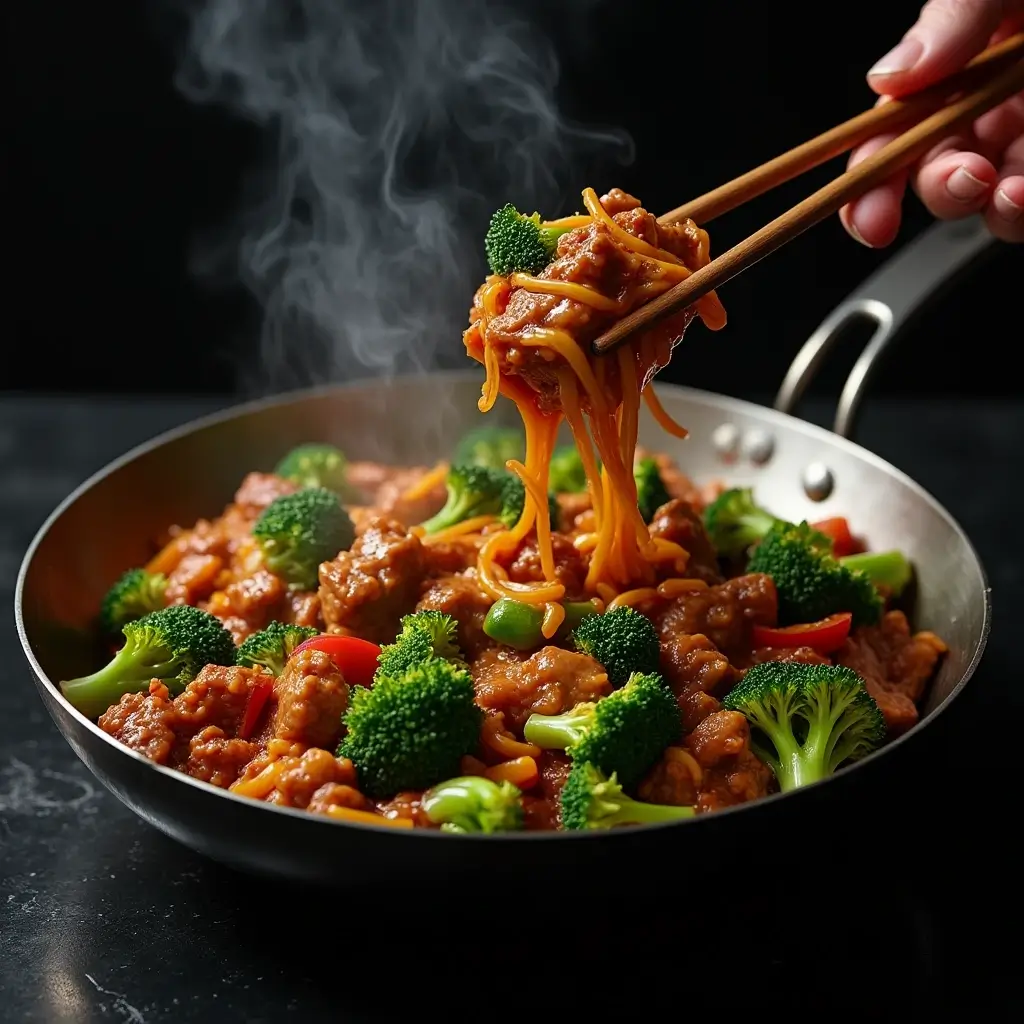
171,644
807,720
491,447
273,646
735,522
472,491
135,594
411,730
625,732
592,799
513,498
424,635
889,569
651,492
315,465
566,474
517,242
297,532
622,640
473,803
811,584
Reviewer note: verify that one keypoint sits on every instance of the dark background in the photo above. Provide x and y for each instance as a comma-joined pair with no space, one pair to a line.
113,175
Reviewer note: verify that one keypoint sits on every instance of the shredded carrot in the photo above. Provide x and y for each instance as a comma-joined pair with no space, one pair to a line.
427,482
501,741
470,765
467,526
263,785
633,597
673,588
367,817
554,616
170,555
521,772
662,418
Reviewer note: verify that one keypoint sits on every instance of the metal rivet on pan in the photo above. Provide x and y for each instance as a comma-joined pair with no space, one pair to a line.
726,439
818,481
758,446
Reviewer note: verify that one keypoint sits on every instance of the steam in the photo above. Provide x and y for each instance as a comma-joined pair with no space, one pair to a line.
395,127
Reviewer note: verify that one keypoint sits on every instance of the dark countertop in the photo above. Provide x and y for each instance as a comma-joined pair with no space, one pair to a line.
104,919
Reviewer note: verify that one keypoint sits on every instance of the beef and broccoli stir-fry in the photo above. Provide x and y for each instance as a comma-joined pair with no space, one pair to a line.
325,644
528,636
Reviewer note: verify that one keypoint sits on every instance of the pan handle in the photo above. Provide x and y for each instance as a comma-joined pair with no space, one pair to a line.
889,297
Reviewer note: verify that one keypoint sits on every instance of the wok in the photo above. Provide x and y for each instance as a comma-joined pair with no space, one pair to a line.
799,470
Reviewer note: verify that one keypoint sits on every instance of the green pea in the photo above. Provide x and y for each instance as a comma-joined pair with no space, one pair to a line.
517,624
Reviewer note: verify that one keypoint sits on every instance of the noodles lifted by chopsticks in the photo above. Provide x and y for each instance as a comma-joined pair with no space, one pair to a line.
531,331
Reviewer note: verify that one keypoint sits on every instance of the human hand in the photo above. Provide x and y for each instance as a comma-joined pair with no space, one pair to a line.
979,170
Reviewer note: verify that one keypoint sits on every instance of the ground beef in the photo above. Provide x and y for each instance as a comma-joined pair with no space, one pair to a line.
570,566
337,794
366,591
311,697
455,555
678,522
384,488
306,775
591,256
216,758
196,732
303,608
541,809
731,773
797,655
258,490
674,780
462,598
548,682
723,613
696,670
246,605
193,579
142,722
895,665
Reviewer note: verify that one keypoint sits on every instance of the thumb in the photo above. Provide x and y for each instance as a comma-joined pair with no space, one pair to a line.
947,34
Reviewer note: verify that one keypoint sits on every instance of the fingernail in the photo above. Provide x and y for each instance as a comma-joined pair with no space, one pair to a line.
964,186
1005,206
901,57
852,228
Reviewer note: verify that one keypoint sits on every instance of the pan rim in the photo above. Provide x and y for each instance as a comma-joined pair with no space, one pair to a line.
49,691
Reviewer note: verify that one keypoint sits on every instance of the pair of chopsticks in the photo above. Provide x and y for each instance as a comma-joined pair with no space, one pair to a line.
938,111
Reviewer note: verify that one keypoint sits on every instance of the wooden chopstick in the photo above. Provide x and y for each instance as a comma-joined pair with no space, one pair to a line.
852,184
890,116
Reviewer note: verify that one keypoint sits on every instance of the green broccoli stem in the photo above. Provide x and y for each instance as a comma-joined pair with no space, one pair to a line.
454,511
550,236
889,569
130,670
635,812
793,764
559,732
754,525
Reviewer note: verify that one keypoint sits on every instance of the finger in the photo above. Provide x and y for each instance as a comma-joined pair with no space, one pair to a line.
874,219
946,35
955,184
1005,213
997,128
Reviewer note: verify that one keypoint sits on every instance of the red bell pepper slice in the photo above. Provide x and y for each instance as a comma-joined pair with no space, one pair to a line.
837,529
259,693
825,636
356,659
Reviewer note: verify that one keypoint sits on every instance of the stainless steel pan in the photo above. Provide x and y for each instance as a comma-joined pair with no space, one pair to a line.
798,469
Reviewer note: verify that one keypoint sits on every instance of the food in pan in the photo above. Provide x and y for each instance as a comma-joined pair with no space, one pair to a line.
526,636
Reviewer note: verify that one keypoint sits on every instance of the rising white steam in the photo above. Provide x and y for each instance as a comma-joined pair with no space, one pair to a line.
396,127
